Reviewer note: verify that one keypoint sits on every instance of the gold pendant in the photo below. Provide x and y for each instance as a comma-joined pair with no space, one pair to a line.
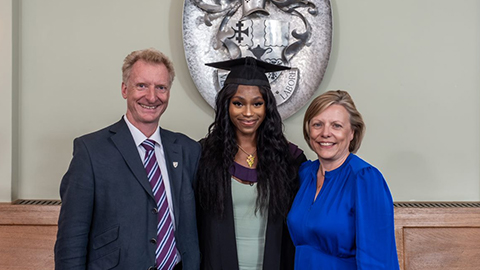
250,157
250,160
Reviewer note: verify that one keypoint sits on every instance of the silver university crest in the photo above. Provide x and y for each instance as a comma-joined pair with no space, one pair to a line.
294,33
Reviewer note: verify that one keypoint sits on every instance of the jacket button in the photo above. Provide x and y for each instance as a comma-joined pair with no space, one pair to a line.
153,241
154,211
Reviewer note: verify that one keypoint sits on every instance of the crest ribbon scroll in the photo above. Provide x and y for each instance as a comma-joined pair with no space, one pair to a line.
294,33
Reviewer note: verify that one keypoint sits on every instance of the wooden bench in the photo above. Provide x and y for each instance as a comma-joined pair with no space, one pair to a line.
437,235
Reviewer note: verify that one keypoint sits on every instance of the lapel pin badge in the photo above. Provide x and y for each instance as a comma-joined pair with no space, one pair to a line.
175,164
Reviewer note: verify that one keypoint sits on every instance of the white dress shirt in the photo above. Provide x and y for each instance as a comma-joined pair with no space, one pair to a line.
139,137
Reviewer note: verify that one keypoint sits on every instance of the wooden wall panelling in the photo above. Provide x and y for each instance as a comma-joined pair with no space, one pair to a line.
438,238
442,248
27,234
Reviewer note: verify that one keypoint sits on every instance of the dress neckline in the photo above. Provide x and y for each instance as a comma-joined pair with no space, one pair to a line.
250,174
243,173
336,170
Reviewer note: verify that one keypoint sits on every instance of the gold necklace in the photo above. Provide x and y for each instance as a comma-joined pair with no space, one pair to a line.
250,157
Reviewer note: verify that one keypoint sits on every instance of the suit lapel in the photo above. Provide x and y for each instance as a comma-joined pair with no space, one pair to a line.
173,160
123,140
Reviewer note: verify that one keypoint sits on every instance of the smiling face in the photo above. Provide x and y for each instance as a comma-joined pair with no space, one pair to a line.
247,110
147,91
330,136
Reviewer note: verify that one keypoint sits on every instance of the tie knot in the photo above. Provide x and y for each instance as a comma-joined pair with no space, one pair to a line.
148,144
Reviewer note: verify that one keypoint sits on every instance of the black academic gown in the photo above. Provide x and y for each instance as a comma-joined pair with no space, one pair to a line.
217,238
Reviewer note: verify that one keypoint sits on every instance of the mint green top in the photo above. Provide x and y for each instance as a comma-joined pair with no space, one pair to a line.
249,227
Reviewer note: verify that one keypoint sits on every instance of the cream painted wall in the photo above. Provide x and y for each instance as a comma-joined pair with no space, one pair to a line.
6,85
411,66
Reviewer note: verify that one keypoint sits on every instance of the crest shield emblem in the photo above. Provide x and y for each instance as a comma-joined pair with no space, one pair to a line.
294,33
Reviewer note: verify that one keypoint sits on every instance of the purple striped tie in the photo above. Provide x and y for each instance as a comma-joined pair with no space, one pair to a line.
166,252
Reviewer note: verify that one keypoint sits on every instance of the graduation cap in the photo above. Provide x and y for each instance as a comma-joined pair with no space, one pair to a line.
247,71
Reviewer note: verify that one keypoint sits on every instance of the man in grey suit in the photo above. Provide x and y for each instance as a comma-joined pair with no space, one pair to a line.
128,202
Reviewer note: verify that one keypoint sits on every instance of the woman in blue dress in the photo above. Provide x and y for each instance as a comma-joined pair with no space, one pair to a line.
342,216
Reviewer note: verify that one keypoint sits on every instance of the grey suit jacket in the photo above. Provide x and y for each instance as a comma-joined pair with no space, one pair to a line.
108,218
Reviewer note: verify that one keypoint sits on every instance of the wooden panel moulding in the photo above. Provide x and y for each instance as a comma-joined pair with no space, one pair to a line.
36,214
436,248
429,235
28,232
438,235
27,247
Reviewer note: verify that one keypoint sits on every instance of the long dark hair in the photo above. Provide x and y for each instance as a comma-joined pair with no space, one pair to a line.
275,169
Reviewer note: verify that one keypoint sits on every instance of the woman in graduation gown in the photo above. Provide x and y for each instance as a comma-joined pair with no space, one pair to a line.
247,175
342,216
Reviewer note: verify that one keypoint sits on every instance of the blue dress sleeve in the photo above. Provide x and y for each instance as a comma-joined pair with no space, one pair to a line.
375,231
306,169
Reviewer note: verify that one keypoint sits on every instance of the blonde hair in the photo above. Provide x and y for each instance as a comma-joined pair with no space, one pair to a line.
151,56
338,97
